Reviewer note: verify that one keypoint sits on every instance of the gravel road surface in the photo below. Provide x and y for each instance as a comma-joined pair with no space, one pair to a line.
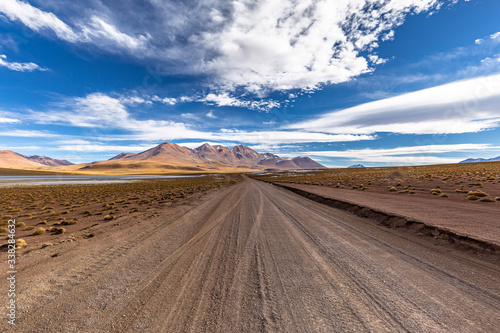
256,258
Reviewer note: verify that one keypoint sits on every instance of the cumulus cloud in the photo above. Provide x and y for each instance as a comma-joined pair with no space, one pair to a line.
19,66
460,107
224,99
258,46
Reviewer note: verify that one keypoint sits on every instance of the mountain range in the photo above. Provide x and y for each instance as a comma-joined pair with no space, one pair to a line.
476,160
167,157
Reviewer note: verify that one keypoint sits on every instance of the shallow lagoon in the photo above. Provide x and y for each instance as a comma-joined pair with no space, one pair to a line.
81,179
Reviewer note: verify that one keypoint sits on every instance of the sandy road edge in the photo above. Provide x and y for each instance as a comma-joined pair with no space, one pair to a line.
391,220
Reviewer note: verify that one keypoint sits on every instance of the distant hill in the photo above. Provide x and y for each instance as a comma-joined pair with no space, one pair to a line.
47,160
12,160
357,166
476,160
207,156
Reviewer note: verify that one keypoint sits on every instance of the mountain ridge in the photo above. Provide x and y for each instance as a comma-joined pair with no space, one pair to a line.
477,160
206,154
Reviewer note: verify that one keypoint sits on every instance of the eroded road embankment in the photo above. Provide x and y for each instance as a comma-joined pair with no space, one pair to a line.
256,258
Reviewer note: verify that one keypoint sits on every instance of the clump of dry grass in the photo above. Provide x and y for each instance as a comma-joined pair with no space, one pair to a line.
2,230
57,230
472,197
20,243
444,195
39,231
436,191
478,193
486,199
108,217
30,227
393,189
20,224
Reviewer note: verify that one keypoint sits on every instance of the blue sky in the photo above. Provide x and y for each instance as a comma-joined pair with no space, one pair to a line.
344,82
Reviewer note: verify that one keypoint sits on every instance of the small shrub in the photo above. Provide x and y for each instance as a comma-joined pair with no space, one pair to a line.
2,230
7,217
478,193
436,191
20,224
44,245
20,243
108,217
497,198
486,199
72,222
87,213
58,231
472,197
393,189
412,192
39,231
444,195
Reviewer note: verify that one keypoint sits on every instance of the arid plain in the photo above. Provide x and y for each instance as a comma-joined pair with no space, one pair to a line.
227,253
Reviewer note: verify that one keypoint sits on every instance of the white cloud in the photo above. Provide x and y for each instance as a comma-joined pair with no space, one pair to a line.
20,66
96,147
460,107
412,155
9,121
92,29
190,116
211,115
285,44
106,113
224,99
28,134
257,45
36,19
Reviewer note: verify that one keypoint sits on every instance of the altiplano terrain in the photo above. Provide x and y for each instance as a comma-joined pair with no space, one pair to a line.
253,257
166,158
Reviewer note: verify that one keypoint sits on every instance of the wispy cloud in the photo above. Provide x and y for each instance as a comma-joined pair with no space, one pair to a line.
19,66
91,29
460,107
106,113
413,155
9,121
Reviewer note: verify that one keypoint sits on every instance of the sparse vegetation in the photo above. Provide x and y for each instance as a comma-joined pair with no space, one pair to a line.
39,231
20,243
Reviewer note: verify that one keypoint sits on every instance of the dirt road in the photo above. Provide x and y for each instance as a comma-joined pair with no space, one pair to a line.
256,258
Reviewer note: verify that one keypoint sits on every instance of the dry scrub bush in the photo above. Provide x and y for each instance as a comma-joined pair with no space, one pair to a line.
39,231
393,189
2,230
486,199
436,191
20,243
20,224
478,193
108,218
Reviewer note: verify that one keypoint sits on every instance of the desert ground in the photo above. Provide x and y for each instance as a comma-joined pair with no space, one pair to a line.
239,255
456,199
